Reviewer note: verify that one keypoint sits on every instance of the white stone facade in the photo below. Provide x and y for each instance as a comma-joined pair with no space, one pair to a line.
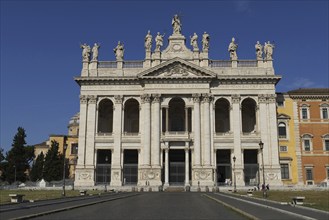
177,117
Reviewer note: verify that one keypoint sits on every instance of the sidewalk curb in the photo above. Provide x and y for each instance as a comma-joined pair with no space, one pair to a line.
233,208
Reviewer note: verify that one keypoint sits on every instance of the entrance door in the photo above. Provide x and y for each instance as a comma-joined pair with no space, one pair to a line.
251,168
224,169
103,166
130,167
176,167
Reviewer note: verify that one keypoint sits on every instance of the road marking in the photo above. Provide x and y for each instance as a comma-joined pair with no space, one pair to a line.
71,207
270,207
233,208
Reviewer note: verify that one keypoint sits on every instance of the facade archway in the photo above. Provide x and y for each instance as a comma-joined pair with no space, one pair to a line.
105,116
131,116
222,116
248,111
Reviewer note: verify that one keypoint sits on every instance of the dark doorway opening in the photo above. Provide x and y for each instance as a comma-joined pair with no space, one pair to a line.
251,168
224,168
103,166
176,167
130,167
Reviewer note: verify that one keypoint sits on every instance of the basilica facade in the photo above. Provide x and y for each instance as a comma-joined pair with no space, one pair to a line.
177,117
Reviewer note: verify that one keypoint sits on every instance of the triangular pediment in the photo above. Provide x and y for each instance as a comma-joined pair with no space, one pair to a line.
176,68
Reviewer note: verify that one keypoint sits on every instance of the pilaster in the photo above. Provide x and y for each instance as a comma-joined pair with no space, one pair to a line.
206,130
146,132
91,130
274,172
116,169
155,131
196,129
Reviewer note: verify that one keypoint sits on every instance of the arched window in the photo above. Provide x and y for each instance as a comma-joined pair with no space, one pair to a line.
222,116
248,109
282,130
176,114
131,116
105,116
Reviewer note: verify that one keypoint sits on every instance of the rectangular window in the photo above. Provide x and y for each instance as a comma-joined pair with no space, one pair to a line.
304,113
283,148
326,145
324,113
309,174
284,171
307,145
74,148
328,173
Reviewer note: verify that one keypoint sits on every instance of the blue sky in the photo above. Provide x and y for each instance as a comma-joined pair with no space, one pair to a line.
40,53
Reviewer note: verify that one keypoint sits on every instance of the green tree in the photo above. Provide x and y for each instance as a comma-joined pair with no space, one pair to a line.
37,168
16,157
53,166
3,165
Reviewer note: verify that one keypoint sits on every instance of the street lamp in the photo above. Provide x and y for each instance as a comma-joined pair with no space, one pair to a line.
261,146
106,159
64,151
234,159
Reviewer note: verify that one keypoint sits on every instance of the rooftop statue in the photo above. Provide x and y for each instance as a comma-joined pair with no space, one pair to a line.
95,52
176,24
119,51
268,50
158,41
85,52
232,49
259,51
194,42
148,41
205,41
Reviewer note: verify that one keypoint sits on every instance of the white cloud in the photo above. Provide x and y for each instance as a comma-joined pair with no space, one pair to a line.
242,6
303,83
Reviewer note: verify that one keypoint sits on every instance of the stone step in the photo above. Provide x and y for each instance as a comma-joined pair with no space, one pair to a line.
175,189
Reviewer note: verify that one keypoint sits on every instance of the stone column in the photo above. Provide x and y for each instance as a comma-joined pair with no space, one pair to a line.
196,128
236,128
166,166
146,98
206,131
116,173
167,118
155,131
187,177
263,126
186,120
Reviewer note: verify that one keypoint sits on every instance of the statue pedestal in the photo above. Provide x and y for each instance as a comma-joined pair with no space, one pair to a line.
93,68
234,63
85,68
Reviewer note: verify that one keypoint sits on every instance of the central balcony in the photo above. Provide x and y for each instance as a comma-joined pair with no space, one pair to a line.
176,136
